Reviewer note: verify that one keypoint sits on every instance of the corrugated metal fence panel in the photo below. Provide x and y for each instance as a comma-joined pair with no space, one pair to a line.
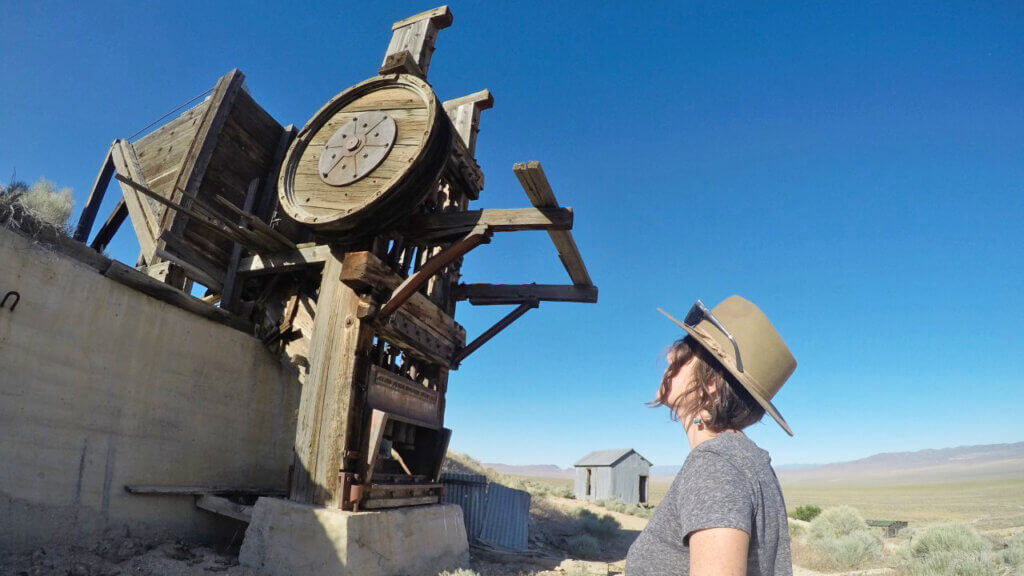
506,522
470,492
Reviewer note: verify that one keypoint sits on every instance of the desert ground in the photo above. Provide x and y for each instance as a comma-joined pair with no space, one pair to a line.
995,507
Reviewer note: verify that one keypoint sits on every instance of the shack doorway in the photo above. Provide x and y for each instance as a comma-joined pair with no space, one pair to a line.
588,482
643,490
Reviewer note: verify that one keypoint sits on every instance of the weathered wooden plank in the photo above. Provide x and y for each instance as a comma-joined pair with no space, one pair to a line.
302,257
229,295
96,193
409,286
142,217
196,160
340,339
464,113
268,196
481,294
415,338
165,490
110,227
535,183
152,287
398,502
364,272
498,220
224,507
415,36
493,331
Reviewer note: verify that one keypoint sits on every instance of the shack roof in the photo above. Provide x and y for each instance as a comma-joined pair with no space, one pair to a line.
607,457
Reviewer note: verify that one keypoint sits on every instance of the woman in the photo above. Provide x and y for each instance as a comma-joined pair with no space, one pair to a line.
724,513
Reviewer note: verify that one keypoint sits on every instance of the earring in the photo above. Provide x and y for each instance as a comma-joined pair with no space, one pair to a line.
697,421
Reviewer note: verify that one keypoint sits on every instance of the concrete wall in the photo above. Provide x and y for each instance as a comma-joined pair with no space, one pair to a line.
102,386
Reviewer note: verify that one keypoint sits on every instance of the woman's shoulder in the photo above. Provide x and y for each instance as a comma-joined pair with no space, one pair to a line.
728,453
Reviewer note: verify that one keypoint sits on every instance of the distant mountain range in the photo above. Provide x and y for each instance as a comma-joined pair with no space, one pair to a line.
963,463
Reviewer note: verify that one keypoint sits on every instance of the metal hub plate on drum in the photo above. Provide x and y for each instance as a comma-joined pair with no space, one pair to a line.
356,148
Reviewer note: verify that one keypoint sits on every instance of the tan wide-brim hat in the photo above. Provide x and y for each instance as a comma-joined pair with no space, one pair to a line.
767,361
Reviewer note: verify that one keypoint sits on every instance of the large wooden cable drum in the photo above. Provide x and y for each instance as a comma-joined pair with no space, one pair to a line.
367,159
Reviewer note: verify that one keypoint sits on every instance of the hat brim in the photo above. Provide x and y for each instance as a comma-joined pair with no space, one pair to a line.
744,379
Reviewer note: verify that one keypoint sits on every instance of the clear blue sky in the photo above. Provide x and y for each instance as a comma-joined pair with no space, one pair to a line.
856,169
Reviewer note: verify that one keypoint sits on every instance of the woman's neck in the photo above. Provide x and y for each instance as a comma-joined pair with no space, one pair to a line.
697,434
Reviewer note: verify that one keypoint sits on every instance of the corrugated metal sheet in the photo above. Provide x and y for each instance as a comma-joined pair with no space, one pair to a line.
470,492
506,522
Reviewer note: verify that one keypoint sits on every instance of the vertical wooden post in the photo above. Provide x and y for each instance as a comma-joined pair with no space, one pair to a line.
339,345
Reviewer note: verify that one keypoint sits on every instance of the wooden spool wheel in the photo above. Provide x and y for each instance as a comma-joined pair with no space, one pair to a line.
367,159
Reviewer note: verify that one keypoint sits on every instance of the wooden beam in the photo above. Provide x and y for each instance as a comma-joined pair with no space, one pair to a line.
412,42
484,294
535,183
498,220
224,507
162,490
229,296
193,167
339,343
143,219
92,204
409,286
152,287
493,331
268,197
110,227
302,257
465,116
197,263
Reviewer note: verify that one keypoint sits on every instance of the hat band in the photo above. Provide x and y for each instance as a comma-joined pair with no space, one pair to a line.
713,346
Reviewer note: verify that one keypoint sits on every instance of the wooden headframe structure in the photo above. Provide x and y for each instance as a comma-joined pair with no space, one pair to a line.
340,245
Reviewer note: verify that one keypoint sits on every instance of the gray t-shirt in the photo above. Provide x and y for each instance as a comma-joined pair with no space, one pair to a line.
725,482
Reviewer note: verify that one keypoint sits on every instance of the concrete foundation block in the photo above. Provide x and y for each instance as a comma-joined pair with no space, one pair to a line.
286,538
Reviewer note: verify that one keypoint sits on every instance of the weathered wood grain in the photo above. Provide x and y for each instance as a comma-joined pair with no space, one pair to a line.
535,183
339,340
480,294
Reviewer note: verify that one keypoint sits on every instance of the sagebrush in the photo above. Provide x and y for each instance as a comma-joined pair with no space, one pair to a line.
843,538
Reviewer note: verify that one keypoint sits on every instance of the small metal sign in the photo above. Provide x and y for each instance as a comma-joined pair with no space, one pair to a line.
401,396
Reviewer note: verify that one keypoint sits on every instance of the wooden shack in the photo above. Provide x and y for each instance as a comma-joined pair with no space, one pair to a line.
604,474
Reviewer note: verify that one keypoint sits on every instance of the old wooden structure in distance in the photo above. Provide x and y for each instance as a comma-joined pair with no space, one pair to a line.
341,246
605,474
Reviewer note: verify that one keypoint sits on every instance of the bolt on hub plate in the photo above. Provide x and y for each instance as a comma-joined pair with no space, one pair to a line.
355,149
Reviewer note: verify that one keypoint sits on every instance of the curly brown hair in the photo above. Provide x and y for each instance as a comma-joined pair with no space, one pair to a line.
730,407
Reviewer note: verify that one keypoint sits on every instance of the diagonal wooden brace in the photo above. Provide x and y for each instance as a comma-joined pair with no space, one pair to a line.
479,235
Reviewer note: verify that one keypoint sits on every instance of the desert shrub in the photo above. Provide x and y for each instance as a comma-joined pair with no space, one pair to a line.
563,492
616,505
841,535
955,549
46,204
796,529
583,546
460,572
805,513
601,526
1013,554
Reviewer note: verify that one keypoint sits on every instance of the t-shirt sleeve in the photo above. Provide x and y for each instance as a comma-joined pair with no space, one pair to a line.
715,495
